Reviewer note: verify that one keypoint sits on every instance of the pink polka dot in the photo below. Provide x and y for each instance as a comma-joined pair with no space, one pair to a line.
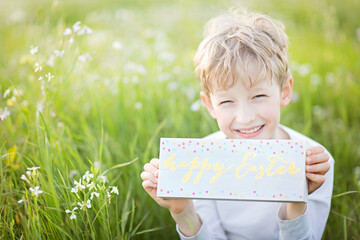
300,146
207,149
178,145
248,147
181,189
197,143
282,151
183,143
273,196
288,142
267,143
261,141
167,192
280,195
183,147
194,151
302,152
161,190
254,191
169,150
296,143
202,145
232,150
230,194
193,193
292,146
212,143
233,145
274,153
277,141
240,142
206,191
255,149
163,148
219,146
189,141
163,143
300,196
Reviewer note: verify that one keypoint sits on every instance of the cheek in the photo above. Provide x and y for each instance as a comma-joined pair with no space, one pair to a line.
270,111
224,117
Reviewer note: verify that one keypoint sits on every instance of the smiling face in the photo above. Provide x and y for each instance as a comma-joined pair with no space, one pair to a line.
249,111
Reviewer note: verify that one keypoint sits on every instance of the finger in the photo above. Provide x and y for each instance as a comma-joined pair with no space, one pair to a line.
155,162
314,150
147,185
321,168
320,179
318,158
148,176
149,168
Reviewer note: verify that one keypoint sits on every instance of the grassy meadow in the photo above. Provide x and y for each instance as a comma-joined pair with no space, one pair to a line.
87,88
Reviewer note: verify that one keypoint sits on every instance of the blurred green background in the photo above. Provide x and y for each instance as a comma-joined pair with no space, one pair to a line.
116,91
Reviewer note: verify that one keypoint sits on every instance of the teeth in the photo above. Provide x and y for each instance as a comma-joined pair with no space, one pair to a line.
250,131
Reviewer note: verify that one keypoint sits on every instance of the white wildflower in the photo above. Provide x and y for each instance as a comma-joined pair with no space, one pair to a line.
36,191
33,50
117,45
138,105
91,186
103,179
94,193
76,27
87,176
40,78
23,177
84,205
108,194
88,30
330,78
97,164
67,32
28,173
78,186
49,76
196,105
4,113
60,124
59,53
33,168
38,67
71,40
114,190
7,92
21,200
73,214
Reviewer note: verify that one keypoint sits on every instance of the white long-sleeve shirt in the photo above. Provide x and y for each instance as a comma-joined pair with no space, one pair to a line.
223,219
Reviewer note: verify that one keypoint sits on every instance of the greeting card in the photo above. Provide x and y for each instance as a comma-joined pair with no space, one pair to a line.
232,169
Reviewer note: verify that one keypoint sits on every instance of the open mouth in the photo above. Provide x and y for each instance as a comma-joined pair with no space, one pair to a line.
252,132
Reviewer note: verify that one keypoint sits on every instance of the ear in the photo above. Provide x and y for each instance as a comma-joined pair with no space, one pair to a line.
207,101
286,92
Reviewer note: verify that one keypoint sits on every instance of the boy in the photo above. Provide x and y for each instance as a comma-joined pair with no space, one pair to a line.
242,65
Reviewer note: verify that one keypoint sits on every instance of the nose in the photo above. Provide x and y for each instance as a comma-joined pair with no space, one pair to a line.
245,114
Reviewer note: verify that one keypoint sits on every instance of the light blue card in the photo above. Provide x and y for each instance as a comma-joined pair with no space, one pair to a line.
232,169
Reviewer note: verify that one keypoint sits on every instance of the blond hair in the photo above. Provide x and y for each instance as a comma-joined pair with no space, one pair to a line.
233,43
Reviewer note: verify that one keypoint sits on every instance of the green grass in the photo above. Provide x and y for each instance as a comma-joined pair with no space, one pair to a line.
109,111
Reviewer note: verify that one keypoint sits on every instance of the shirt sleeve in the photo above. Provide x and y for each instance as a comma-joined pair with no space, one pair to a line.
211,227
311,224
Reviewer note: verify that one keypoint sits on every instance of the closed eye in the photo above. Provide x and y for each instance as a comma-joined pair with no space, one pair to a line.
260,95
227,101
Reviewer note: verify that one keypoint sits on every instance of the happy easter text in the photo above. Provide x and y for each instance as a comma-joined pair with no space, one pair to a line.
247,165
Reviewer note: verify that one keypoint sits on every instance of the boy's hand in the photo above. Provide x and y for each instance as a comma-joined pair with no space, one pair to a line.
316,167
150,180
182,210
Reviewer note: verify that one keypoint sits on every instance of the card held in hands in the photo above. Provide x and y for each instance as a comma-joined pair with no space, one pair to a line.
232,169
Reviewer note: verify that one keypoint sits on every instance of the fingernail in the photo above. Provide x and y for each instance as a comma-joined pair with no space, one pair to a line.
308,152
308,159
309,168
